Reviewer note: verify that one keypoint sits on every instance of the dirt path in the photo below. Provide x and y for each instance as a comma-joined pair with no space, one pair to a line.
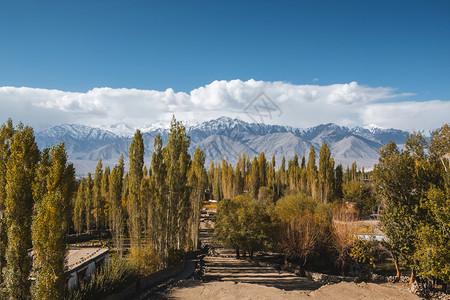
225,277
242,271
230,278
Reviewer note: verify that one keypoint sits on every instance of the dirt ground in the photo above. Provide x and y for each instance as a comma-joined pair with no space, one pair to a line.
230,278
225,277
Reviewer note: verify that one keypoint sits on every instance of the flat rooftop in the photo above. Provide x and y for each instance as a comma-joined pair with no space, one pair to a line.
77,257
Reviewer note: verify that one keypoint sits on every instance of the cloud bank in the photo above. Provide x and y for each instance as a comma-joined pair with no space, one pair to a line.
347,104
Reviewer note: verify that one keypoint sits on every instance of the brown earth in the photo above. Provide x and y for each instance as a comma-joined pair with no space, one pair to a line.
230,278
225,277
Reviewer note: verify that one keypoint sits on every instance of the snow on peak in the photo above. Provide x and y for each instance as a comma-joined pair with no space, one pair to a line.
373,128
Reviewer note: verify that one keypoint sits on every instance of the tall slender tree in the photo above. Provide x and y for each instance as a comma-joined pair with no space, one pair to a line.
311,173
6,133
177,162
97,194
158,207
88,201
326,174
49,227
20,174
256,182
136,155
79,211
116,189
197,180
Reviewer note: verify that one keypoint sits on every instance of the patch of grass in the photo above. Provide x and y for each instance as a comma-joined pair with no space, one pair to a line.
116,274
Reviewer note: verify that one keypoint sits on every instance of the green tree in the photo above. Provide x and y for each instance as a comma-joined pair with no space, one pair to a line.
326,174
294,173
255,173
271,174
106,217
262,167
97,194
79,212
197,180
433,243
244,224
339,176
311,173
136,155
402,181
48,230
88,201
158,207
6,132
20,174
177,162
116,189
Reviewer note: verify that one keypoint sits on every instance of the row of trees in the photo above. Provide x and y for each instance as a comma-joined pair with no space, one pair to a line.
262,179
35,193
157,208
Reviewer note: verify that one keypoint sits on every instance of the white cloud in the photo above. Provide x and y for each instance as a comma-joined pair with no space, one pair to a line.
408,115
301,105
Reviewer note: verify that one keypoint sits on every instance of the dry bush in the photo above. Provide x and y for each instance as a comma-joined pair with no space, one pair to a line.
343,235
299,237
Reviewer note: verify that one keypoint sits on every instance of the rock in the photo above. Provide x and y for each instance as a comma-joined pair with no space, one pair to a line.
414,288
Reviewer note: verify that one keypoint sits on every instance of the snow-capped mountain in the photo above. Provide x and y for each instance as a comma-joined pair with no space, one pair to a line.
223,138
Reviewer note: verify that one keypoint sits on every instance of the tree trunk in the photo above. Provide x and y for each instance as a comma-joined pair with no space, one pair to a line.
397,268
413,274
237,253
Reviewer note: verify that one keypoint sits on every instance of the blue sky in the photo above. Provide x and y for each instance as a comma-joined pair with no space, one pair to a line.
76,46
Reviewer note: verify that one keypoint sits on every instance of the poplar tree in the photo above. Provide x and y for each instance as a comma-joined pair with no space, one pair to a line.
106,216
239,180
217,187
20,174
97,194
339,177
255,178
6,132
294,173
145,194
158,207
177,161
226,180
311,173
79,211
271,174
88,201
116,188
136,156
326,174
262,167
303,178
197,180
49,228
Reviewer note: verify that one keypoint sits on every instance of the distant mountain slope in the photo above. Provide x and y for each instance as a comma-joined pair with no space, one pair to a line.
224,138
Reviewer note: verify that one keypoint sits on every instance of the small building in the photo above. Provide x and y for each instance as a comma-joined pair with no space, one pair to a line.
83,262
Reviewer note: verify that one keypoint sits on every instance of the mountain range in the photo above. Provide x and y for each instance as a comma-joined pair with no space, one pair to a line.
223,138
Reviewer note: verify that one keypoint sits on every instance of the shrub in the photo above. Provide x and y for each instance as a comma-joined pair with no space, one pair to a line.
145,260
304,227
116,274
